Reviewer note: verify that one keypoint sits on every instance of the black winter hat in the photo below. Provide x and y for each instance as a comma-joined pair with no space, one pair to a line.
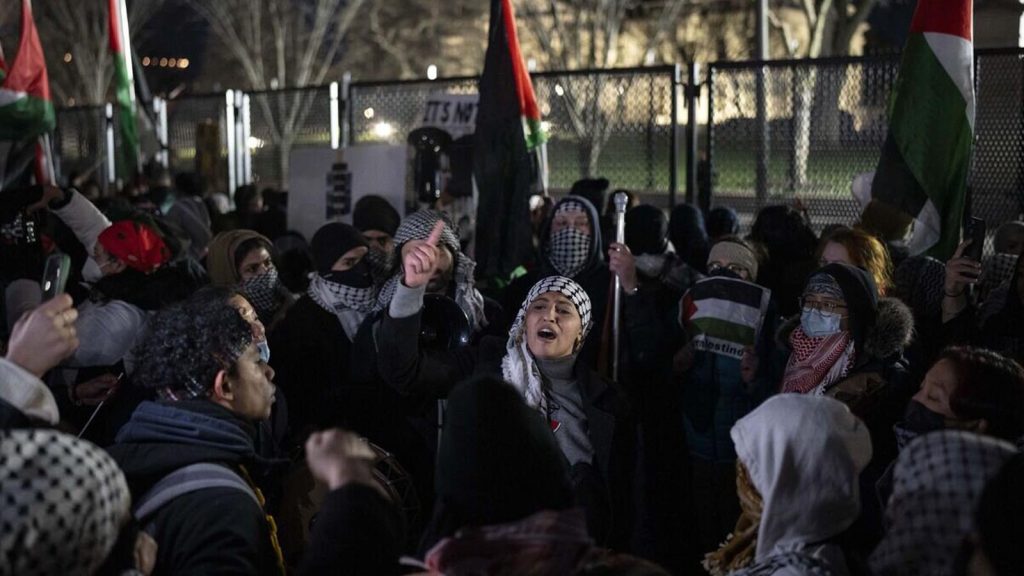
498,461
861,297
593,189
331,242
646,230
375,213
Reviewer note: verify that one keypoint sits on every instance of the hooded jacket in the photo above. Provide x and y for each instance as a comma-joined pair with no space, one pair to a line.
803,454
594,277
210,531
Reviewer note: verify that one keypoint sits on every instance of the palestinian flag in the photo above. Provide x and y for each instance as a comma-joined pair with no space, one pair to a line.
120,48
724,315
508,134
26,110
922,172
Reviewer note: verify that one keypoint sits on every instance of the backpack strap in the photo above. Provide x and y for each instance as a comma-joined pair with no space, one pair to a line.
189,479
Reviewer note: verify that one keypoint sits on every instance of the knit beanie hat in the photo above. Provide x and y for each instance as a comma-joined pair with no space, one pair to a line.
331,242
375,213
735,251
137,245
646,230
498,460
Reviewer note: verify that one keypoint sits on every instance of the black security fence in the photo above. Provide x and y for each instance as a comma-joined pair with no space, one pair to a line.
785,130
752,133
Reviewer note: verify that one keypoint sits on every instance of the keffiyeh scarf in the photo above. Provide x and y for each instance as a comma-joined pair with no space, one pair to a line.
417,226
350,305
65,501
739,548
817,363
518,367
937,483
266,293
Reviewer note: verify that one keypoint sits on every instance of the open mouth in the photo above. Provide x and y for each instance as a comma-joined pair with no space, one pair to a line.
547,334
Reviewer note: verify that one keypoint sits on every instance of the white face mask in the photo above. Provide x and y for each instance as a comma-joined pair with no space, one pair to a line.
816,323
91,271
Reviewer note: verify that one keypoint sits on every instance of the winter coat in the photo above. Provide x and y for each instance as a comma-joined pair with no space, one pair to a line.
24,399
611,431
803,455
213,531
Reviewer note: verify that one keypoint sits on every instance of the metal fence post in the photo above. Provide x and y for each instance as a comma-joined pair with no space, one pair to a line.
229,131
709,148
160,108
346,93
763,136
692,134
673,148
111,161
244,151
335,120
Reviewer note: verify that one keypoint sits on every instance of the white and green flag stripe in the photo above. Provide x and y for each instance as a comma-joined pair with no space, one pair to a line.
923,169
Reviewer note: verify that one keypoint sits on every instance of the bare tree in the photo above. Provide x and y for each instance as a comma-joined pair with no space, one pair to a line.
74,36
282,44
573,34
830,27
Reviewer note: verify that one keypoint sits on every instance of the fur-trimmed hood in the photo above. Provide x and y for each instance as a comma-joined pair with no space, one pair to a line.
891,334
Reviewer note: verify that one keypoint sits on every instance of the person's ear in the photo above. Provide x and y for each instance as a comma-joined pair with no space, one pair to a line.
222,388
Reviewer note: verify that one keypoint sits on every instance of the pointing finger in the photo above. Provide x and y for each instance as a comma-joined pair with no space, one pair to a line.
435,234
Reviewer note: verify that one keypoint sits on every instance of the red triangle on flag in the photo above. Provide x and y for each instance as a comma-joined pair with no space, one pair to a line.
28,70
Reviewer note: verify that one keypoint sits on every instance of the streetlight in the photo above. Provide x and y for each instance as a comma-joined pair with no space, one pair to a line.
383,130
431,72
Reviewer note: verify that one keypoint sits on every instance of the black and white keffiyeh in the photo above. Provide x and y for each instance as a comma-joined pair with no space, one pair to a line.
417,226
64,503
266,293
351,305
569,249
518,367
937,483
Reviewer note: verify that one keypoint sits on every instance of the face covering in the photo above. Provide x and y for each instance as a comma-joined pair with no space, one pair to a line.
350,289
357,276
380,263
264,349
917,420
726,273
260,291
568,251
816,323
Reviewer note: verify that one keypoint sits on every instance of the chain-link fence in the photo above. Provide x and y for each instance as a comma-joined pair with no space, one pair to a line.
282,120
616,124
80,141
783,130
197,137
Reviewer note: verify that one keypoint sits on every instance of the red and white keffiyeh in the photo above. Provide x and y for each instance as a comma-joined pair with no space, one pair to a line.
817,363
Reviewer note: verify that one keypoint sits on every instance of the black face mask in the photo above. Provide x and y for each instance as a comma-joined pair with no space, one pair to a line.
918,418
357,276
725,273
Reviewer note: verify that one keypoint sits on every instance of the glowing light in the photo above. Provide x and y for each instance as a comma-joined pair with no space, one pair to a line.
146,61
255,143
383,130
431,72
171,62
545,126
163,62
368,113
559,90
183,63
67,57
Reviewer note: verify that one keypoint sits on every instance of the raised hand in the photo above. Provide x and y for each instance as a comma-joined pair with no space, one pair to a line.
44,336
622,263
961,271
420,258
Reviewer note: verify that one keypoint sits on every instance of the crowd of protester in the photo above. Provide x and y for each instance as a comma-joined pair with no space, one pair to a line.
214,394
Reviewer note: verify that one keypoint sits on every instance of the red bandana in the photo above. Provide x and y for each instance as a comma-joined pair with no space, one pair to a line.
136,245
813,359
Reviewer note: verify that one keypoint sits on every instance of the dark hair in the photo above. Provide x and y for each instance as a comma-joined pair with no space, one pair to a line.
722,221
784,233
245,194
989,386
190,184
189,342
248,246
1000,517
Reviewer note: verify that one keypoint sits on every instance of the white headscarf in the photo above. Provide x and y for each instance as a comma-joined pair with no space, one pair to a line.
518,366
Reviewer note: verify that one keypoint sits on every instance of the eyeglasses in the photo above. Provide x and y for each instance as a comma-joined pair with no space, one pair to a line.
731,267
826,306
